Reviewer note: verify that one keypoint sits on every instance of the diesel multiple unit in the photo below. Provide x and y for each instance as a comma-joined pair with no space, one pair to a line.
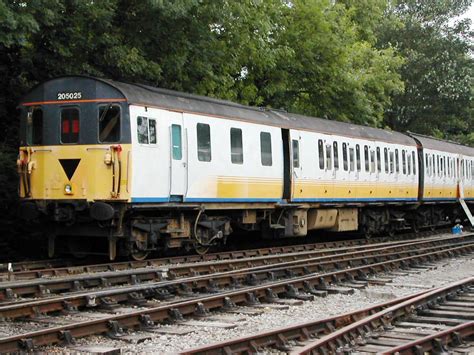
145,169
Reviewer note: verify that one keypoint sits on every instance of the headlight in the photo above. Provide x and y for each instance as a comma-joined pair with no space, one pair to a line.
68,189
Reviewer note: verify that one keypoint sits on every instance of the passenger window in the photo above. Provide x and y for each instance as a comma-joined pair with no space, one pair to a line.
69,125
427,166
34,126
358,157
372,161
404,162
397,161
336,156
385,155
236,146
409,165
328,156
296,154
391,163
142,130
109,124
266,148
321,154
203,141
176,142
366,158
414,162
344,156
351,159
379,160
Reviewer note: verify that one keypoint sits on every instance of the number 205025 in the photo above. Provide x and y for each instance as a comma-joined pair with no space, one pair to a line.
69,95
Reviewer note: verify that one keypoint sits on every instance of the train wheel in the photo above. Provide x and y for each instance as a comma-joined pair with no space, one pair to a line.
201,249
139,248
139,255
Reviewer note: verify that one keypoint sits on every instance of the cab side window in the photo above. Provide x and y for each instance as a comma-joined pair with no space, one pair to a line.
34,126
146,130
142,130
109,124
69,125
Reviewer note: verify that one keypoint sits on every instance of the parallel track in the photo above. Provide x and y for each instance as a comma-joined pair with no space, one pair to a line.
427,321
44,286
217,280
313,282
63,267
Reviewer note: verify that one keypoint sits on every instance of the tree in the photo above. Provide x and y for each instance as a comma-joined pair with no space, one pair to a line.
333,69
438,68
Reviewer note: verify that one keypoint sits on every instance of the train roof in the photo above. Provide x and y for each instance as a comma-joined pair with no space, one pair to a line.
442,145
168,99
147,95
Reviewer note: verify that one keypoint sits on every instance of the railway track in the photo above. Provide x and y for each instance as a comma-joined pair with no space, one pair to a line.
187,282
196,295
63,267
428,321
242,270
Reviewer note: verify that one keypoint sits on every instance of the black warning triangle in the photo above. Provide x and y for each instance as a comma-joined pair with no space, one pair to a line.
69,166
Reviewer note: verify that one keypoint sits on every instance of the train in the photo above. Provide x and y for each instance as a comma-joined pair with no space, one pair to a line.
139,169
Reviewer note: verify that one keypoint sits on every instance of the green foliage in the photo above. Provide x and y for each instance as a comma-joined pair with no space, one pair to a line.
438,68
333,69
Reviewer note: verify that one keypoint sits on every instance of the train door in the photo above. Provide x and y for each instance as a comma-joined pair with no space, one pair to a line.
178,157
287,169
459,172
296,166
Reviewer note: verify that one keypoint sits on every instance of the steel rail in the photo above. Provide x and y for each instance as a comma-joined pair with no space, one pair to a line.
42,268
331,342
23,271
198,267
146,318
280,337
250,276
436,341
304,332
43,287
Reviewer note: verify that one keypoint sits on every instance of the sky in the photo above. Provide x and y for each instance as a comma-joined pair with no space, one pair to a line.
470,13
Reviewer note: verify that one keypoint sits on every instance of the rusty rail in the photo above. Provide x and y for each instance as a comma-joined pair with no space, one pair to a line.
299,263
247,295
63,267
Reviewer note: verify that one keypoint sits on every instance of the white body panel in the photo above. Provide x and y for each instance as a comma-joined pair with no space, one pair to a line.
318,179
156,175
